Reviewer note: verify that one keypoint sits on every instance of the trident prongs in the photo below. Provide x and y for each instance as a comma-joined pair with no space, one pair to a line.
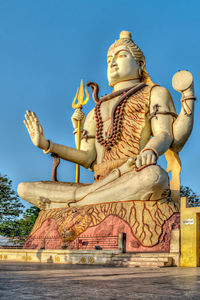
79,105
80,97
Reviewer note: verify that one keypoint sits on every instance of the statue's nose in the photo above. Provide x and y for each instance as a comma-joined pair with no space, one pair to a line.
113,62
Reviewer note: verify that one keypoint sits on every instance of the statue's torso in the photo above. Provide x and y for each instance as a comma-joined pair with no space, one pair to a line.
136,129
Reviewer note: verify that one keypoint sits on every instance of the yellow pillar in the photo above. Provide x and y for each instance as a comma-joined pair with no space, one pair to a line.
189,235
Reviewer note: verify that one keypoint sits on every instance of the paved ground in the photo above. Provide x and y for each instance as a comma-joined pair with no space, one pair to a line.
53,281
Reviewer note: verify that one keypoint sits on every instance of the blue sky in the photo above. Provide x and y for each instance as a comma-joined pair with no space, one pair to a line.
47,47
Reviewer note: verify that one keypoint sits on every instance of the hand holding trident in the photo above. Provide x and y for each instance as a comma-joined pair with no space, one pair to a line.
78,106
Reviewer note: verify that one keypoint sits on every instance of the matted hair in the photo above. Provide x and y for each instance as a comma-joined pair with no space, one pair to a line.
126,40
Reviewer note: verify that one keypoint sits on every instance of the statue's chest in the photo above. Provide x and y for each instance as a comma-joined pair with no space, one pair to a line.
106,109
134,113
129,127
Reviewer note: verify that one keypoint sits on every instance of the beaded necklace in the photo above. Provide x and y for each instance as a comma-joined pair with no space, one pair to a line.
116,117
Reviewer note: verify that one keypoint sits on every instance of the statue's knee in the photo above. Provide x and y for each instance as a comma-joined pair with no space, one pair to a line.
155,176
23,189
20,189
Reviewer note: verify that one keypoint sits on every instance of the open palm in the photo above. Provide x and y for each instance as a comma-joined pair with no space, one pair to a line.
35,130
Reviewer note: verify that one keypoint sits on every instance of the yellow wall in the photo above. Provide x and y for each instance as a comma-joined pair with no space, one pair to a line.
189,235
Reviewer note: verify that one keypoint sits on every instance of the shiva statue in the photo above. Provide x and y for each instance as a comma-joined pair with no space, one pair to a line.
123,137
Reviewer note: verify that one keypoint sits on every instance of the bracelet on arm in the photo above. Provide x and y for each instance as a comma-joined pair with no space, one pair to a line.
151,149
50,146
188,98
184,100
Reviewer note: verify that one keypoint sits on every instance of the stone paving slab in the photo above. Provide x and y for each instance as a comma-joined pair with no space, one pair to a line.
53,281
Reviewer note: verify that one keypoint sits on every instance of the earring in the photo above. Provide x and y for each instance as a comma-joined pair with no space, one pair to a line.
140,71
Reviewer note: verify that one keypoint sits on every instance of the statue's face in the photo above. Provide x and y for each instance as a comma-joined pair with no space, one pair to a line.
121,65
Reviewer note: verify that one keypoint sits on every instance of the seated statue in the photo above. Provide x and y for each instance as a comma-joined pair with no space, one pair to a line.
123,136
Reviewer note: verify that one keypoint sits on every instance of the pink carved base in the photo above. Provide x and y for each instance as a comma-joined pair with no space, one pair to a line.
48,237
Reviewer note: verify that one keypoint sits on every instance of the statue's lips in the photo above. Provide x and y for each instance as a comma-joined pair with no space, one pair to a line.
114,69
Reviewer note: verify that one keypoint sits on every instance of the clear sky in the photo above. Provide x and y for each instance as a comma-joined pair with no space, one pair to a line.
47,47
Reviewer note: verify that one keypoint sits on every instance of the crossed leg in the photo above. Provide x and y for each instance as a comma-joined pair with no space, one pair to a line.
150,183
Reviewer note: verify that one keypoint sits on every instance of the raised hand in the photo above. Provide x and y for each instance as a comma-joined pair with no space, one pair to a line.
35,130
183,83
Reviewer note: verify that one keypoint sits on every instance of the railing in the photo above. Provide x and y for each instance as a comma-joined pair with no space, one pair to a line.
97,242
12,242
80,243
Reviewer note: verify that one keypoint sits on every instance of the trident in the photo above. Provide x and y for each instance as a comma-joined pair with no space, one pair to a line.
79,105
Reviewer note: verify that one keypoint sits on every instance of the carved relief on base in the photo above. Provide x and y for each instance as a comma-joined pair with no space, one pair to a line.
147,225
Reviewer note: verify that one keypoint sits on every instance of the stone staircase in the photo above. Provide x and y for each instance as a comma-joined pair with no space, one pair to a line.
143,260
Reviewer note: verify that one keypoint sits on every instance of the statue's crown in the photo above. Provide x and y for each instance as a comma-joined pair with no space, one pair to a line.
125,35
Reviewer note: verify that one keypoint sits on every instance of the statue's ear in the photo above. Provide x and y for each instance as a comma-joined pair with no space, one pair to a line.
142,64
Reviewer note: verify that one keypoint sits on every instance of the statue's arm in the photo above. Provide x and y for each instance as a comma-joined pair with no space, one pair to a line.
83,157
88,138
161,127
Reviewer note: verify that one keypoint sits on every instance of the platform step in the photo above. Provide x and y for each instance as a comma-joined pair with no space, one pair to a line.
144,254
142,264
138,261
161,259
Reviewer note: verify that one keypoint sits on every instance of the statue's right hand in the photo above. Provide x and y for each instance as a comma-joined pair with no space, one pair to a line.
78,115
35,130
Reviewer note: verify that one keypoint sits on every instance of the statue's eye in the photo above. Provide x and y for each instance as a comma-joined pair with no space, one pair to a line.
109,60
122,55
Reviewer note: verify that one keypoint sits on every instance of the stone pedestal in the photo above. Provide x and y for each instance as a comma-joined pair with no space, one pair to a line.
147,226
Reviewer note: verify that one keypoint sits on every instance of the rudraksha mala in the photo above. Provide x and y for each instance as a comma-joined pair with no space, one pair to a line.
116,115
115,135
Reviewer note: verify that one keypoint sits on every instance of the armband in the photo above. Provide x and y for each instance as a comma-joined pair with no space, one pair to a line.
188,98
